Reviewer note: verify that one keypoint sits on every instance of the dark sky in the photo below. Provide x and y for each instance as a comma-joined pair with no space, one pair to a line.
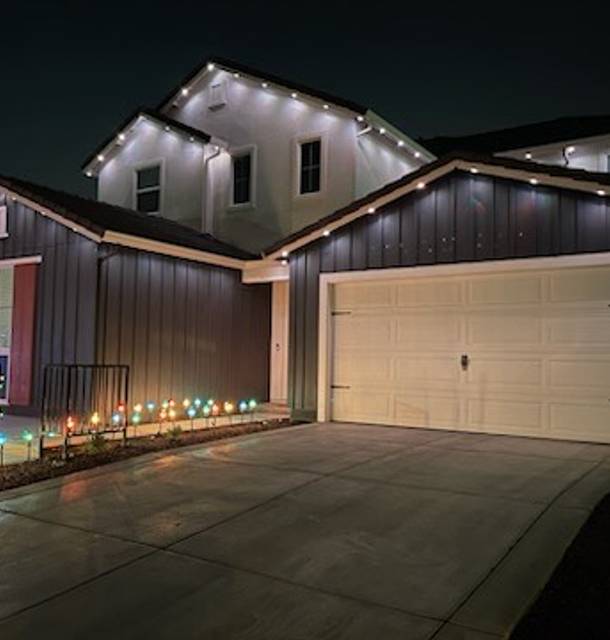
71,71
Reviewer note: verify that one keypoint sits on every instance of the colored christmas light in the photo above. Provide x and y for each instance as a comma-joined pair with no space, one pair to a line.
197,402
229,407
243,406
27,436
206,411
137,408
150,406
2,439
252,404
186,403
116,418
165,404
95,419
135,418
191,412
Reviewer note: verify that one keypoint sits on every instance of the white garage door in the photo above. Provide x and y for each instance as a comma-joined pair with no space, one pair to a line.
519,353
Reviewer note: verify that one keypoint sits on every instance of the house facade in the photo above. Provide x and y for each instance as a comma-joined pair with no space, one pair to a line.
253,237
247,156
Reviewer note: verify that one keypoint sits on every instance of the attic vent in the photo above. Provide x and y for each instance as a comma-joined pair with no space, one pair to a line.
217,96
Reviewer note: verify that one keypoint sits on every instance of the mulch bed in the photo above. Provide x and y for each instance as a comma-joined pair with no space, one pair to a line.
576,601
82,457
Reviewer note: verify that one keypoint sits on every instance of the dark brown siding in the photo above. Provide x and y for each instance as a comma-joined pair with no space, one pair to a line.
185,328
66,290
460,218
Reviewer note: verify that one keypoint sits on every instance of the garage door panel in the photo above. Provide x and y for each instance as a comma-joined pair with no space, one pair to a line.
353,331
576,332
423,370
363,296
505,372
584,375
515,329
366,406
357,367
584,420
580,285
508,290
538,345
512,415
428,410
430,328
422,294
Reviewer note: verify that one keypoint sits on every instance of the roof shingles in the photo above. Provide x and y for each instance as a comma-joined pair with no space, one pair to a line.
99,217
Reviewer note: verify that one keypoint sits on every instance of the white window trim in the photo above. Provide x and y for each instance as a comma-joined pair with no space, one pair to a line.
252,149
322,136
147,165
3,221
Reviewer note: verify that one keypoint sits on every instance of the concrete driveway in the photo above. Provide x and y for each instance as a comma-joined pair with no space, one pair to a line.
323,531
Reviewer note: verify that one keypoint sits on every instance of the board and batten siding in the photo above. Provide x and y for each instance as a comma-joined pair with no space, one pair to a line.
186,329
65,294
459,218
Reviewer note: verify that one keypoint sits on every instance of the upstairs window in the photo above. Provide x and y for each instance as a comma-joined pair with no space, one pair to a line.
242,176
148,189
311,165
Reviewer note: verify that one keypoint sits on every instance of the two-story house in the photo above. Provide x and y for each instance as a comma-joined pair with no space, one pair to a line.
255,237
247,156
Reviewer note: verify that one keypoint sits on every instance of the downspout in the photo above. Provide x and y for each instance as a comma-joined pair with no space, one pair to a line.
205,204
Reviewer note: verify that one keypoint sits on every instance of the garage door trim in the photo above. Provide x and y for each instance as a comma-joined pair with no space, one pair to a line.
327,280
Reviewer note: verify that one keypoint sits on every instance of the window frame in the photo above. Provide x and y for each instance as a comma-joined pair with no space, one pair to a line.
297,152
149,164
236,152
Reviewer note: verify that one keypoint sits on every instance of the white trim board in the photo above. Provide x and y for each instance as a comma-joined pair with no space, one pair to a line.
15,262
327,280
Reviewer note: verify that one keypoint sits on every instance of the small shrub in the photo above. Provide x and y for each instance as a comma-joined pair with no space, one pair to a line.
97,444
173,433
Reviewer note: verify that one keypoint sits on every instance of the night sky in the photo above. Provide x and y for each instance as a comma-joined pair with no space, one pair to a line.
72,71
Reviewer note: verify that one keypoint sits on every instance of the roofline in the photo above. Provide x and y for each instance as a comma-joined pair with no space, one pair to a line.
545,175
566,142
361,112
230,65
100,236
113,143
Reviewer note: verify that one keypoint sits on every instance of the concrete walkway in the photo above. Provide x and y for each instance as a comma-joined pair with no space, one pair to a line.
323,531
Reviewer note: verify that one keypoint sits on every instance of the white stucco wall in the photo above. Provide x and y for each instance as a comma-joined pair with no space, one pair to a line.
182,172
591,154
271,123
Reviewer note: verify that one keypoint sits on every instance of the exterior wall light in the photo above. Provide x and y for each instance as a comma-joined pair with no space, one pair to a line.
326,233
210,66
421,185
528,156
600,192
533,181
371,210
100,157
184,91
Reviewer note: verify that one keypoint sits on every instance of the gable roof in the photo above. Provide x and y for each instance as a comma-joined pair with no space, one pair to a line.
246,70
113,141
104,222
519,170
529,135
362,112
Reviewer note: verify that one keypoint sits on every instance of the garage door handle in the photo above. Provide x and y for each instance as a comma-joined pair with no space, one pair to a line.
464,361
340,386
